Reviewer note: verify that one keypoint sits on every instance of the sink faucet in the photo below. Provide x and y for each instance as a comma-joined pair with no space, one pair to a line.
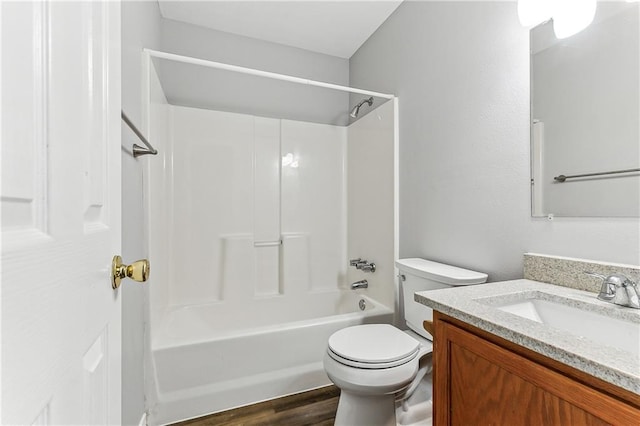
618,289
360,284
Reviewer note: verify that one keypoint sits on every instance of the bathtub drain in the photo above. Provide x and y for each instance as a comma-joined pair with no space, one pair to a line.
362,304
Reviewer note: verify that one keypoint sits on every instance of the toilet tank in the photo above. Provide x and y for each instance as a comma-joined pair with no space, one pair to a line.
420,275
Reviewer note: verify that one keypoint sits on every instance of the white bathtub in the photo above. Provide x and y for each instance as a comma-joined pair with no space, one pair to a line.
214,357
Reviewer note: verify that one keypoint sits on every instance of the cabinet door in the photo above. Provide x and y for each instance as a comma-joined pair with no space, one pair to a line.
478,382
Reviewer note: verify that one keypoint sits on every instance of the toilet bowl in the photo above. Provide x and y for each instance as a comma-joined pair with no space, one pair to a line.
379,367
373,365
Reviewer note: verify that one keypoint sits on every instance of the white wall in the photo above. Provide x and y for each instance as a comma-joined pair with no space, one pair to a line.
140,28
461,71
224,91
313,206
370,187
212,156
159,202
220,190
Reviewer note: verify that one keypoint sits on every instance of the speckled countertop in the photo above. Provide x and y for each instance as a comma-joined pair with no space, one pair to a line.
473,305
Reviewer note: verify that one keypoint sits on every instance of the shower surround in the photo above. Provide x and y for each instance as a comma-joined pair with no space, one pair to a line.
250,230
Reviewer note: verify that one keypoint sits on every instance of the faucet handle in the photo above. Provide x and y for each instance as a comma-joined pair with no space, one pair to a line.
367,267
632,293
617,280
594,274
608,288
630,288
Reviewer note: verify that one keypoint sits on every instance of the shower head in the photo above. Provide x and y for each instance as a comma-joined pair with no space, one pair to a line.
356,109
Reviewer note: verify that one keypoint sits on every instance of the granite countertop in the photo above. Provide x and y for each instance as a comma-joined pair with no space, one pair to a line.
473,305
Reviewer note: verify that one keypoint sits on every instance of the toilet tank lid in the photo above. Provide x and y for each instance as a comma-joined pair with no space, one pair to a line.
446,274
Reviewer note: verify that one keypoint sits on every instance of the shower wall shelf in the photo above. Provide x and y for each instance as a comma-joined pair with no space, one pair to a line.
267,243
137,149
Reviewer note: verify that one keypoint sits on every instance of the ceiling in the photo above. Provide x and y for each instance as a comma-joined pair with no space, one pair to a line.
336,28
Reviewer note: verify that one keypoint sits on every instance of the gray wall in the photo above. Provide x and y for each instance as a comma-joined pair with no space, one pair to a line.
140,28
194,86
461,71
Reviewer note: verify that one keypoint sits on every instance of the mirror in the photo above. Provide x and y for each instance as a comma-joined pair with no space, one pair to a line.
585,117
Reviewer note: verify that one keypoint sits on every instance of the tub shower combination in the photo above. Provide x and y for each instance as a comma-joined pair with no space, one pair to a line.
250,238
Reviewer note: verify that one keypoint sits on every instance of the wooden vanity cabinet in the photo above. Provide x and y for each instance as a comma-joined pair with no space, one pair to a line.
482,379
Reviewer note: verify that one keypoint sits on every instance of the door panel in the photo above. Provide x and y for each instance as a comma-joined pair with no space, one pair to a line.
60,199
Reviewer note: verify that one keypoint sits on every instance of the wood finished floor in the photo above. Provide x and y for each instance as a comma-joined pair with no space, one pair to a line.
316,407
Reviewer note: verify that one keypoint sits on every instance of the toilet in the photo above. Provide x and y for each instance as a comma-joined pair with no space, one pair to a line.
379,367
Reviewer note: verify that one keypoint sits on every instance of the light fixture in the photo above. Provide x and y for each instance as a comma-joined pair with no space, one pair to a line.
569,16
533,12
572,16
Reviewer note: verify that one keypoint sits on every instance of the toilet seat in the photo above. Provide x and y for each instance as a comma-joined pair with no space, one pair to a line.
371,381
372,346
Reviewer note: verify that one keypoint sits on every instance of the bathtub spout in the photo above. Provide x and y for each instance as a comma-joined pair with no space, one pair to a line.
360,284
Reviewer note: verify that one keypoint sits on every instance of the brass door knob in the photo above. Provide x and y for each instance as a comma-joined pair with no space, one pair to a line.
137,271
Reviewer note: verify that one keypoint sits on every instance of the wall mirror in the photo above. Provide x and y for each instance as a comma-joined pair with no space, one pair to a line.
585,117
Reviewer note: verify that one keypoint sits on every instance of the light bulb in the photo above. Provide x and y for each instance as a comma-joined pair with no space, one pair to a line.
533,12
572,16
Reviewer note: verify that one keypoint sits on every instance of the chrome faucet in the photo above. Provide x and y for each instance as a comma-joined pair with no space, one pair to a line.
360,284
368,267
618,289
363,265
355,262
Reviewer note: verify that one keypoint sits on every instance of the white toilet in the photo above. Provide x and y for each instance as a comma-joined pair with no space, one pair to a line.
377,365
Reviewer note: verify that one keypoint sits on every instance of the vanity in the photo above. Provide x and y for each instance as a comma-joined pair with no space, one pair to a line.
527,352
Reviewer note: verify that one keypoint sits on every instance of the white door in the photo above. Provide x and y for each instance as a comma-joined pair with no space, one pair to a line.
60,206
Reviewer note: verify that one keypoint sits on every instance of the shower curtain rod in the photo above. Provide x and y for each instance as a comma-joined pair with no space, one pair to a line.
267,74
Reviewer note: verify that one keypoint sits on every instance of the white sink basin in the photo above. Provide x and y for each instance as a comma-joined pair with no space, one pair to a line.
606,330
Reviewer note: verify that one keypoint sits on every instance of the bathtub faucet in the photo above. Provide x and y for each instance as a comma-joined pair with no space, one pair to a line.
360,284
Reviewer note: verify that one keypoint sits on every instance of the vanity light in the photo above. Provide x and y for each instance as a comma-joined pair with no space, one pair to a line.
572,16
569,16
533,12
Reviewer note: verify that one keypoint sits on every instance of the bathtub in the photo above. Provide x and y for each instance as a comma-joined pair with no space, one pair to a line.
214,357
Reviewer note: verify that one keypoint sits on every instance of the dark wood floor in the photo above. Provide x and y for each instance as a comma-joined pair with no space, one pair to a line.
316,407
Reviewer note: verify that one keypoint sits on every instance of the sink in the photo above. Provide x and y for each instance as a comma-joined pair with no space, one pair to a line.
603,329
